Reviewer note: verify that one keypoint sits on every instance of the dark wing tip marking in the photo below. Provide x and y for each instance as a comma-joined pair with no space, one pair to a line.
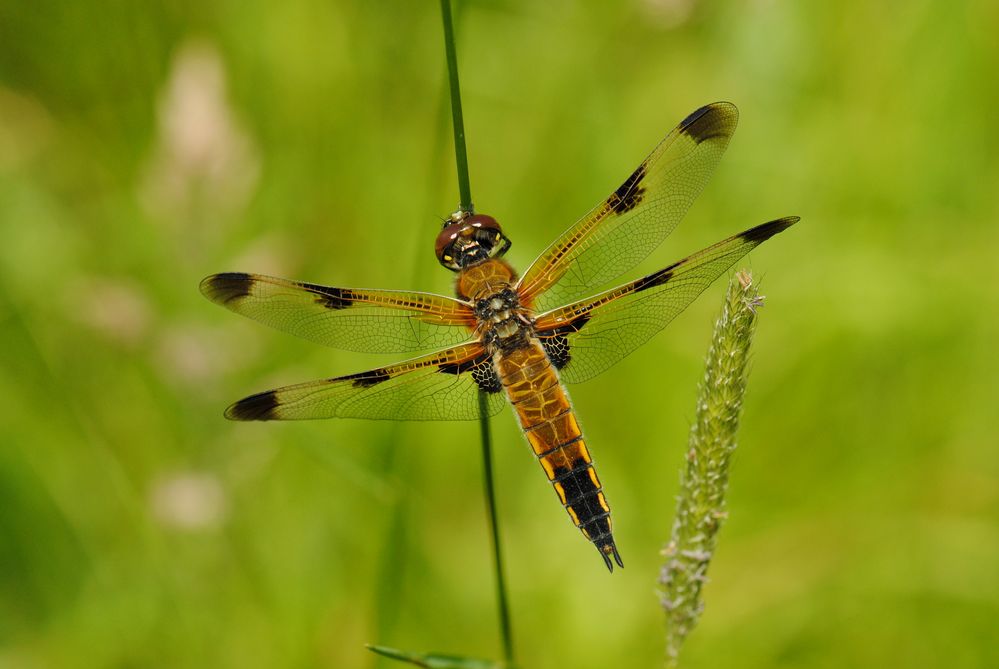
329,297
225,287
765,231
367,379
694,115
629,194
255,407
700,125
756,235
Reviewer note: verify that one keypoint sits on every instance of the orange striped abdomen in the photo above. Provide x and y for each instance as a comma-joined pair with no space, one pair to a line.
548,421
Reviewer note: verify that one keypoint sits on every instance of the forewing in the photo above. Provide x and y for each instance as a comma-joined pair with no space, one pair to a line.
440,386
585,338
368,321
625,228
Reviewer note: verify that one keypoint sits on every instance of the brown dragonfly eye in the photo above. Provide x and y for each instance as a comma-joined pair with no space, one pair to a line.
444,247
483,222
474,238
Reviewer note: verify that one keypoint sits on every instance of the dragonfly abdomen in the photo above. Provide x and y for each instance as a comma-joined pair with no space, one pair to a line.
549,423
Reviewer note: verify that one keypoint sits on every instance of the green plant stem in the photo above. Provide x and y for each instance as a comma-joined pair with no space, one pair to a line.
487,472
465,205
461,157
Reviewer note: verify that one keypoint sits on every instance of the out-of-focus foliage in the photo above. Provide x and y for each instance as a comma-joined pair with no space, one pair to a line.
144,145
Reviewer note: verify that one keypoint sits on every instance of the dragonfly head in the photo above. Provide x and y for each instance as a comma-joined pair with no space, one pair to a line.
468,239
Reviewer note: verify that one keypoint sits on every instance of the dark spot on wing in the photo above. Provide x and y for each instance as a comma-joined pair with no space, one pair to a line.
367,379
575,325
481,369
765,231
226,287
701,125
457,367
486,379
629,194
556,341
255,407
557,349
657,278
331,298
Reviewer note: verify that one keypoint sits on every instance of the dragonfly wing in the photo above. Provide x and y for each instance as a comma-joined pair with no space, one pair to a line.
622,230
439,386
586,338
367,321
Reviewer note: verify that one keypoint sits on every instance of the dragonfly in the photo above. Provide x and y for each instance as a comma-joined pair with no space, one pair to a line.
507,338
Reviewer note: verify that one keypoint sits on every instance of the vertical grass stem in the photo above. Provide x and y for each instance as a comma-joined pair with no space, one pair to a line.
461,157
465,205
487,472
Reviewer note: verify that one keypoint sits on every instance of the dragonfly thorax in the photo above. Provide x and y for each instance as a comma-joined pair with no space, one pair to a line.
497,308
501,316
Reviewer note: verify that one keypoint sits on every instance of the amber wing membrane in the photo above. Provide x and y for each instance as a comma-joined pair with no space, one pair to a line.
367,321
440,386
631,223
587,337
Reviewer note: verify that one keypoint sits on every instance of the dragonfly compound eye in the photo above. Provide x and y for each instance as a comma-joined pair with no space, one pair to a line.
469,241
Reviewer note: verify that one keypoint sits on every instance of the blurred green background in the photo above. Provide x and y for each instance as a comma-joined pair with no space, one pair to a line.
145,145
